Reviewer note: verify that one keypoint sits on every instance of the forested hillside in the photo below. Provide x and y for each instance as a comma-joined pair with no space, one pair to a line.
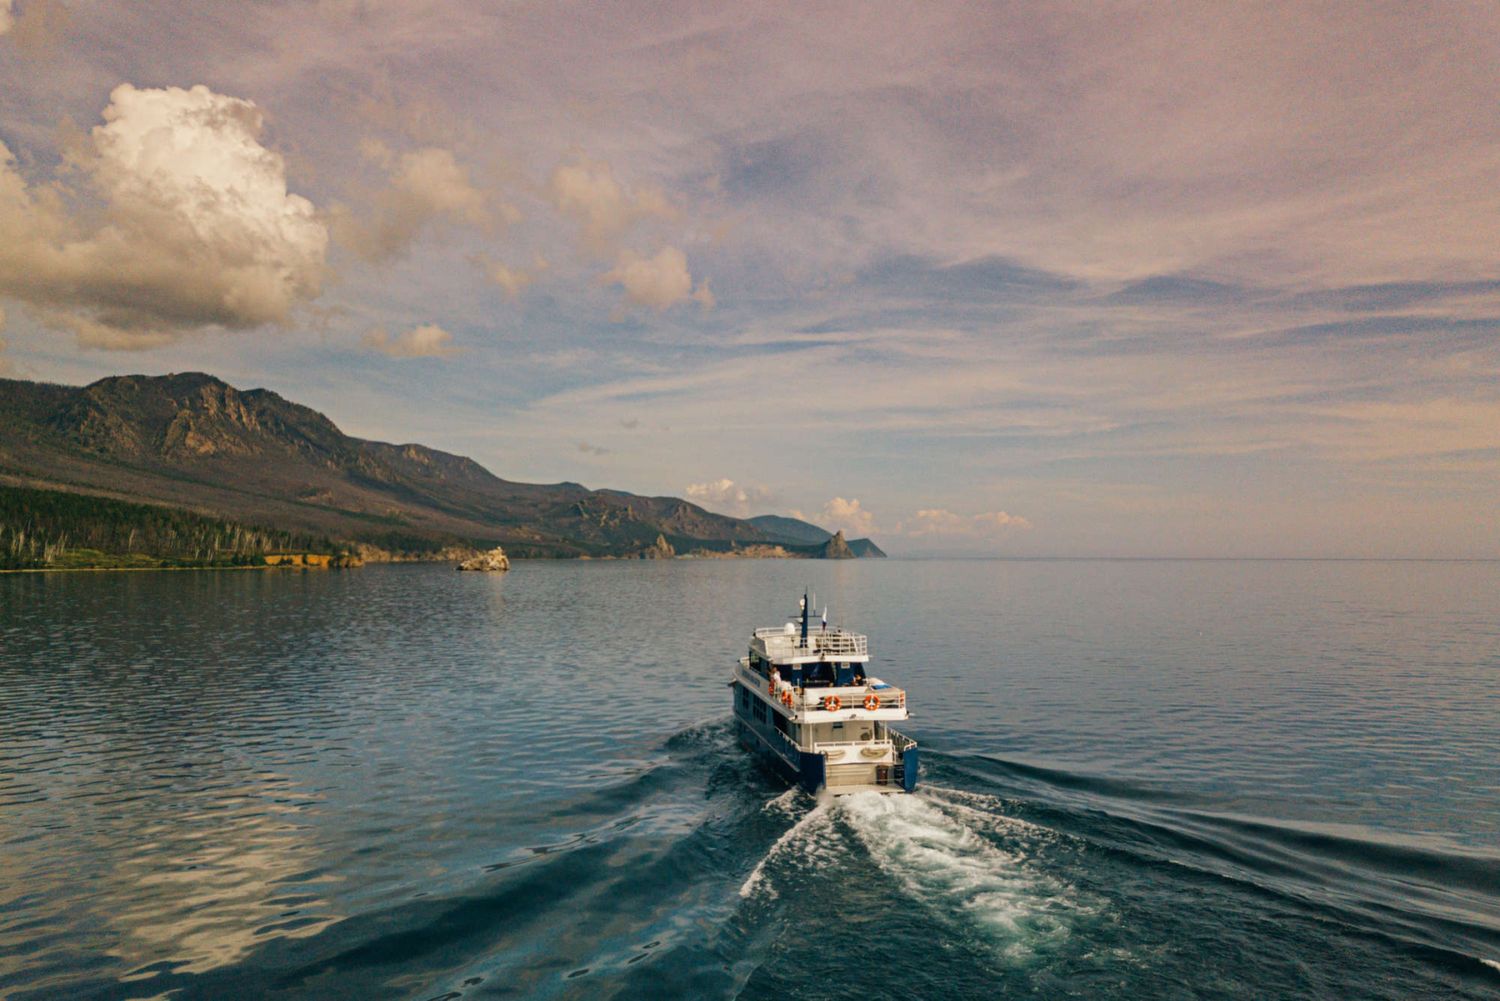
49,528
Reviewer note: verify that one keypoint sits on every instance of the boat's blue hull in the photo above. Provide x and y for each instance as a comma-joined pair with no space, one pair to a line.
798,767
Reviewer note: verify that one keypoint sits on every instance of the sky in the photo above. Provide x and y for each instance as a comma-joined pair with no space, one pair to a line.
1073,279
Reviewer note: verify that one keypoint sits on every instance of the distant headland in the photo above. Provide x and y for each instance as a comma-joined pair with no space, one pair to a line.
185,470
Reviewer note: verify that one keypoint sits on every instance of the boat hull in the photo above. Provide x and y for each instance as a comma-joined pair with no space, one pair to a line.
810,770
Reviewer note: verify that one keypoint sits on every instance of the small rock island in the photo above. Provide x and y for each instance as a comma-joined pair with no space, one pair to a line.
495,559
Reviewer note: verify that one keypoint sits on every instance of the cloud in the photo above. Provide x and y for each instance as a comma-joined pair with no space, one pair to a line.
424,187
937,521
427,341
195,227
37,29
514,280
727,497
847,516
587,191
659,282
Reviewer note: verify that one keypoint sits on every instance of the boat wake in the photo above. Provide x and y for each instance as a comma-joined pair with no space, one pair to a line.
975,871
967,876
800,840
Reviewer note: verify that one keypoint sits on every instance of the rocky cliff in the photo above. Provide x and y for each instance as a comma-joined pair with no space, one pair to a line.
837,548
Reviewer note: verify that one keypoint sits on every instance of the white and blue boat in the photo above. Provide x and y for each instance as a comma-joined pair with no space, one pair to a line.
804,700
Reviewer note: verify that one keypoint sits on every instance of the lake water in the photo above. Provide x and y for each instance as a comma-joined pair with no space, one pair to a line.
1139,779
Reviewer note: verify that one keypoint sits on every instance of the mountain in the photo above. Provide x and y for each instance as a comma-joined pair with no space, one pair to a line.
194,442
790,530
794,531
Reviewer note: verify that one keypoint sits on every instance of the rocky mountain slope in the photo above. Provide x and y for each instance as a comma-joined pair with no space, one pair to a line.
192,441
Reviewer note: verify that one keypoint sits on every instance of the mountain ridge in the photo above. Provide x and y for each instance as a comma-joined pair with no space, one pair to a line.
191,440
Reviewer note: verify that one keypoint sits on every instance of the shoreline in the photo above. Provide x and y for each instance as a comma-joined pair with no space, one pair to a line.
265,566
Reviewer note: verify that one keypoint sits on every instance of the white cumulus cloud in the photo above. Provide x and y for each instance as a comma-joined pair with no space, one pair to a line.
848,516
425,187
427,341
514,280
195,226
728,497
659,282
587,191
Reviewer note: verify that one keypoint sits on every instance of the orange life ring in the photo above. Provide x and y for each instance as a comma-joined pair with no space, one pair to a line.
831,703
872,702
771,688
786,698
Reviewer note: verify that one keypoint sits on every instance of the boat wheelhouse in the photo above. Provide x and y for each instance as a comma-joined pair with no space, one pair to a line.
804,700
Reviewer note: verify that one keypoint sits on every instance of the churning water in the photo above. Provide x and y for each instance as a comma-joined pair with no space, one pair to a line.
1140,779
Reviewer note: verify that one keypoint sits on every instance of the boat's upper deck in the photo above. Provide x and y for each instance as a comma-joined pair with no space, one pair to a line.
786,645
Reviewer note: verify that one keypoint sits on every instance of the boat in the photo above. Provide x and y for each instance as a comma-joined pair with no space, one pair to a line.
805,702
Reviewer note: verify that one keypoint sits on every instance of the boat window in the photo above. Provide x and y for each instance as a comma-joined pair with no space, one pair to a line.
781,723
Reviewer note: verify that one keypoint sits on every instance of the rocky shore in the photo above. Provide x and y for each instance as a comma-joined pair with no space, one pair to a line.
494,560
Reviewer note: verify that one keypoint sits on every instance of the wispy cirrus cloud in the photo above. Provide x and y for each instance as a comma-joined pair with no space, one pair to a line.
941,522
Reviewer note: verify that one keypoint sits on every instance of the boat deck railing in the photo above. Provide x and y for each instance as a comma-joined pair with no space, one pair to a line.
848,745
779,643
818,699
814,699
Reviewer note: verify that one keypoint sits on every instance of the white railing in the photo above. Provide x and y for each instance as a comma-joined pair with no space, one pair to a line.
844,745
820,642
822,699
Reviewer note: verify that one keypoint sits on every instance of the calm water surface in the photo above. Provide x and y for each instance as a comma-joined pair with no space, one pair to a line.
1141,779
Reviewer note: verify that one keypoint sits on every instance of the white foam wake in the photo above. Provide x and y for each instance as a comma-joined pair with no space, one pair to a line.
1490,962
785,804
800,837
961,875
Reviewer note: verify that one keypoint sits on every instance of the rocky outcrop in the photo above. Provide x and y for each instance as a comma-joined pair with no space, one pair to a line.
495,559
837,548
759,551
661,549
448,554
